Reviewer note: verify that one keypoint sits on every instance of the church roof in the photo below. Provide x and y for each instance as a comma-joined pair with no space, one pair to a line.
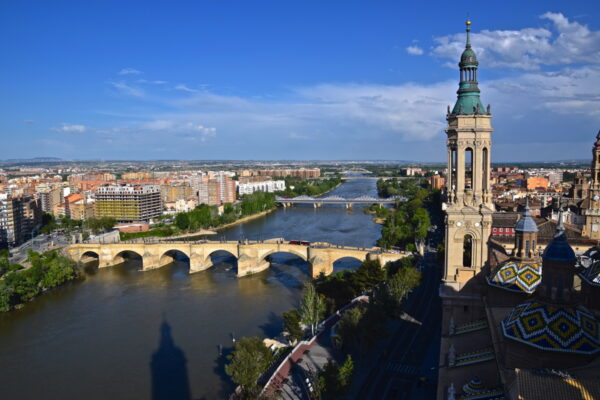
589,266
517,276
566,329
526,223
559,249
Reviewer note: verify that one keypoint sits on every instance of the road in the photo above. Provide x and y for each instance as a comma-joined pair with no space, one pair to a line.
414,351
40,244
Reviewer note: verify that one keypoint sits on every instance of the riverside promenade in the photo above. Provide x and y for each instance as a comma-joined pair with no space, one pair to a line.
310,355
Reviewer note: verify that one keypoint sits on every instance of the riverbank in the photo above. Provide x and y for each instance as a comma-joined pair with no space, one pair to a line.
244,219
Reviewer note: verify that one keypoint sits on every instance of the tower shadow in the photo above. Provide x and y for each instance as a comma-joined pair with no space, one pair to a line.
168,367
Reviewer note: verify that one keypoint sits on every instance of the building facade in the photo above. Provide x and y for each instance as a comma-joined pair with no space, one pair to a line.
591,210
129,203
262,186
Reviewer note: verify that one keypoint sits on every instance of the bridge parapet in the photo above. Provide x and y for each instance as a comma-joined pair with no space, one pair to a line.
252,256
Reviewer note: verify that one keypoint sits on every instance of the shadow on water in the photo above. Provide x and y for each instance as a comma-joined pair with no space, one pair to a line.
168,367
226,386
273,326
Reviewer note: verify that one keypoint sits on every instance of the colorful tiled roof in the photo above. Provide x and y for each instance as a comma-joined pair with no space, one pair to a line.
553,328
474,357
471,327
494,394
517,276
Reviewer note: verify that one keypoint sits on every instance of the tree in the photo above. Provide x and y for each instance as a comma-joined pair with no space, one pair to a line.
291,323
368,275
248,361
182,221
312,307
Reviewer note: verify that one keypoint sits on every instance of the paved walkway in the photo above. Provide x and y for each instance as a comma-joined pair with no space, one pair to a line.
307,357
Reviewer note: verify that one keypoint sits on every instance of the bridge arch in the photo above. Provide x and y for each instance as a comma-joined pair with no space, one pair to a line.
86,256
300,252
125,255
170,256
217,256
347,263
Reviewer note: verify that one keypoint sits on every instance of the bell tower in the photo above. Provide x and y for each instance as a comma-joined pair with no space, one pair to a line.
592,211
469,205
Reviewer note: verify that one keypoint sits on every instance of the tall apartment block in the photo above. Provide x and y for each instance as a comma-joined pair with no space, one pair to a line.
129,203
214,191
19,216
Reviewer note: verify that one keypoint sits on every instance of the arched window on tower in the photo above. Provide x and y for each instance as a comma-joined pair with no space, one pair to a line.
454,158
485,169
469,168
467,251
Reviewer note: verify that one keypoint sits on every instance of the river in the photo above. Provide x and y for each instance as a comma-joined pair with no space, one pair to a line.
126,334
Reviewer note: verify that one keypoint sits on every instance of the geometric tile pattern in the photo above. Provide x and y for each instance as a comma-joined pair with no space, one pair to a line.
494,394
591,274
554,328
517,276
474,386
471,327
474,357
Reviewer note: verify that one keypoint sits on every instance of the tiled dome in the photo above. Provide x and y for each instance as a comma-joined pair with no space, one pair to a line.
517,276
563,329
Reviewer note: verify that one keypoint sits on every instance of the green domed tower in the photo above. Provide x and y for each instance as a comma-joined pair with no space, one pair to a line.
469,205
468,101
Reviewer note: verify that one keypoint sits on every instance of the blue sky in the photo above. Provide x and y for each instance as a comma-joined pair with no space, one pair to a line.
292,79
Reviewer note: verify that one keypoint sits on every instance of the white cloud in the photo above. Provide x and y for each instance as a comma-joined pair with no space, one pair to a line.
129,71
154,82
29,121
64,127
127,89
563,43
414,50
184,88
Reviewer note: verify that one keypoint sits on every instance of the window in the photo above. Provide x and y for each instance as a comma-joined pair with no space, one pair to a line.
467,251
468,168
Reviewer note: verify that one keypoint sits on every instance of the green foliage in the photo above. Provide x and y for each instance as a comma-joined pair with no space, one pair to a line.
295,186
410,221
257,202
312,307
248,361
182,221
291,324
100,224
368,275
47,270
335,380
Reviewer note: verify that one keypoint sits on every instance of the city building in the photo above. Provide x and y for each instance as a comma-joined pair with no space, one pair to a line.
128,203
20,216
536,182
220,189
82,209
260,186
437,182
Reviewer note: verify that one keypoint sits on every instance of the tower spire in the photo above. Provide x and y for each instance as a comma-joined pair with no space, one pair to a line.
468,102
468,24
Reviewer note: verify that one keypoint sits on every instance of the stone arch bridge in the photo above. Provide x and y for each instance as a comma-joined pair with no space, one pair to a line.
251,256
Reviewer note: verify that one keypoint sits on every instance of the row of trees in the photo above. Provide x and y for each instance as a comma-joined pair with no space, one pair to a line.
96,225
309,187
406,226
359,328
47,270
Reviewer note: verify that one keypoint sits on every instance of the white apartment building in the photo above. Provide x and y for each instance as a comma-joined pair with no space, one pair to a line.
264,186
